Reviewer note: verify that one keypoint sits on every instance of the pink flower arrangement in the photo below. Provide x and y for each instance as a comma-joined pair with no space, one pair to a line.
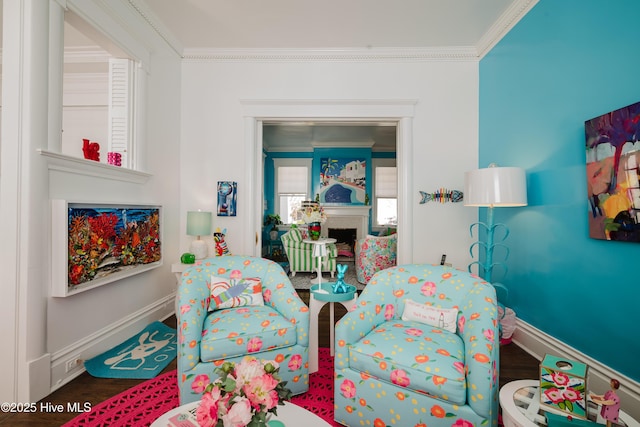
243,395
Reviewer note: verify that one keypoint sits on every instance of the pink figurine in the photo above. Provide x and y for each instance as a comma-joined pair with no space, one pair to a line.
610,403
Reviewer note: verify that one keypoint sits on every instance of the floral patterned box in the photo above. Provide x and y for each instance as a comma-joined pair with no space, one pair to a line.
563,385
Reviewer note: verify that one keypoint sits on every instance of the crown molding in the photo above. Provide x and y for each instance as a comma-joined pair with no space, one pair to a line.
466,53
514,13
156,24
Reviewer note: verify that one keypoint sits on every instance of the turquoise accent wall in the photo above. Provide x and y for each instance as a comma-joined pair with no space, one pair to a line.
317,155
565,62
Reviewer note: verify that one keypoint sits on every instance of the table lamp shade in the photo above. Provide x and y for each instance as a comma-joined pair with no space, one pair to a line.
198,223
495,186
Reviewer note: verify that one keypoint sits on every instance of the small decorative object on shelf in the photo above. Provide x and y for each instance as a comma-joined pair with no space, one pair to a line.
314,230
245,394
91,150
221,244
339,287
188,258
442,195
610,403
563,385
114,158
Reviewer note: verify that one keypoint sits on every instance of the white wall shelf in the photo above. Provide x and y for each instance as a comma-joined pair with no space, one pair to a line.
76,165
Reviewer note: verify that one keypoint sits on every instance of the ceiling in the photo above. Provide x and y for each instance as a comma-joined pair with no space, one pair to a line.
333,24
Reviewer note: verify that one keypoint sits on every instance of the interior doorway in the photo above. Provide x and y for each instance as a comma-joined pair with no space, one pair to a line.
341,159
257,112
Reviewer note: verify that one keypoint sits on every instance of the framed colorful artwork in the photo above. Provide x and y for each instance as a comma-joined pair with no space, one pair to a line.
227,198
343,180
97,243
613,191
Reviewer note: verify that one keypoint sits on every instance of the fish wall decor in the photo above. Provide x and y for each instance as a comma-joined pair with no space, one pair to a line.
441,195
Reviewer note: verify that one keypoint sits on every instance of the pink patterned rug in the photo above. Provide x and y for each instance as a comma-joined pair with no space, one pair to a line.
144,403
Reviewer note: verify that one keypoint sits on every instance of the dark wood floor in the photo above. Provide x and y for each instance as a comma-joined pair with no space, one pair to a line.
515,364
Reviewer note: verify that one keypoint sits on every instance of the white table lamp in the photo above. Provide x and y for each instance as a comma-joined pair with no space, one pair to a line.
198,224
493,187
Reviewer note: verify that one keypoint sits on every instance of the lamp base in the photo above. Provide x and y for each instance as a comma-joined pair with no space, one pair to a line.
199,249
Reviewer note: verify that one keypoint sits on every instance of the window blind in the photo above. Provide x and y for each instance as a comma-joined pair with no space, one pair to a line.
293,180
386,182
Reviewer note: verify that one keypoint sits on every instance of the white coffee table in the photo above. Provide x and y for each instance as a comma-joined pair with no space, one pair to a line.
520,402
290,415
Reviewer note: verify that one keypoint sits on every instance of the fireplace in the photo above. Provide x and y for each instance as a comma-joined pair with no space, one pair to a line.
345,241
342,218
347,217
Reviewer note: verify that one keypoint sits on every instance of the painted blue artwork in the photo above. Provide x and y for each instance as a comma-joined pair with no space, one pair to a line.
343,180
227,198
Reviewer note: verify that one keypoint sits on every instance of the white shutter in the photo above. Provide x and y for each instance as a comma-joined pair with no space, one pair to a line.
121,77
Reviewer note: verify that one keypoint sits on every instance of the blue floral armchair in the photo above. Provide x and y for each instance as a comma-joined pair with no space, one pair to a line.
421,348
277,330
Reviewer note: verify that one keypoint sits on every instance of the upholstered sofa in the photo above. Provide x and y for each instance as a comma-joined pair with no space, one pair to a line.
210,332
300,254
375,253
420,348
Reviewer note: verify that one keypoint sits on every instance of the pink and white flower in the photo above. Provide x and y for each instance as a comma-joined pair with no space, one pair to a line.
243,393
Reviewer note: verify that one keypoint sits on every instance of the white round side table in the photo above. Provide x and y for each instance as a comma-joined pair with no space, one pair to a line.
520,403
319,296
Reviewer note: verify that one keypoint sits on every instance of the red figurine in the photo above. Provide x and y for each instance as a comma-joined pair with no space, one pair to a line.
91,150
610,403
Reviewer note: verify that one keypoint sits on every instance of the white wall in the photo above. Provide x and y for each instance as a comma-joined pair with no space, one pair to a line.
445,128
41,333
90,322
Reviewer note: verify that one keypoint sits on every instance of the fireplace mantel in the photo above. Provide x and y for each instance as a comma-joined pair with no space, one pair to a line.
347,217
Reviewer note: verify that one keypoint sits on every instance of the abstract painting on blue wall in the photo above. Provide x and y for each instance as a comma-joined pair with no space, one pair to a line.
613,190
342,181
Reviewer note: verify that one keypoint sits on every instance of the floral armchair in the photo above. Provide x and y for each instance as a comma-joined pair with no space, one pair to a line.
420,348
300,254
375,253
210,332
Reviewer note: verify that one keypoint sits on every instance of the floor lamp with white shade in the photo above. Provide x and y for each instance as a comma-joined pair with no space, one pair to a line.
493,187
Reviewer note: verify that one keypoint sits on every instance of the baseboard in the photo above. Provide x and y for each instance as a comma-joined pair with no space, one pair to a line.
537,343
105,339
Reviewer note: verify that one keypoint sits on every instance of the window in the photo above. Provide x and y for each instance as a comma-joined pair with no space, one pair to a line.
291,186
386,195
